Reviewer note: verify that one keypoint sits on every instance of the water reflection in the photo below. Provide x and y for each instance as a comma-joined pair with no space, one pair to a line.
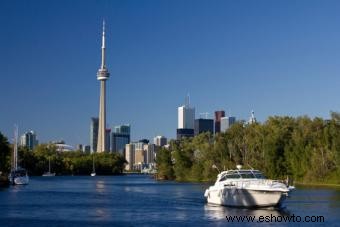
100,186
215,212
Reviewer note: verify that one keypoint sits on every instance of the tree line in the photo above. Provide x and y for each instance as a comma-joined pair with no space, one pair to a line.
305,149
36,162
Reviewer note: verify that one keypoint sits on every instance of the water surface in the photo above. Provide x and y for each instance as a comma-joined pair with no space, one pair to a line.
139,200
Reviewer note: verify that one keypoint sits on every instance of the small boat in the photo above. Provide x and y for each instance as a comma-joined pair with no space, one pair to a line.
93,168
246,188
49,174
18,175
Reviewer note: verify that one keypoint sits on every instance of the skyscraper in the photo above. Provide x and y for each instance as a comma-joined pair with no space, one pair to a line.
218,115
107,139
94,134
29,140
204,125
102,75
160,141
186,118
252,118
226,122
120,137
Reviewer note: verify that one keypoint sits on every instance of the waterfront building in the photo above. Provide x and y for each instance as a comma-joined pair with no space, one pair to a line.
102,76
29,140
218,115
226,122
94,134
160,141
204,125
140,155
61,146
120,137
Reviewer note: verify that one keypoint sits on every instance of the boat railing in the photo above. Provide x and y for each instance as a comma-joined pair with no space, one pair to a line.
251,182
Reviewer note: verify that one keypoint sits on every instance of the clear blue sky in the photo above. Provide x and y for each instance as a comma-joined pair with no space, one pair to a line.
275,57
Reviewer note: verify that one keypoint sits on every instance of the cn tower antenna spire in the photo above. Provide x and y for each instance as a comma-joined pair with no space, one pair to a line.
103,46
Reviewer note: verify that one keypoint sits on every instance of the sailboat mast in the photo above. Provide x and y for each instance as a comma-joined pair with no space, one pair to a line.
49,164
15,147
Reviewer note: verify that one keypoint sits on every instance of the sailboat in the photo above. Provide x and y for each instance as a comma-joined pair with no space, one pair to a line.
18,175
93,168
49,174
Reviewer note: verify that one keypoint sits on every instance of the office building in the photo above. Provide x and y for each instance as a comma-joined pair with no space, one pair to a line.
107,140
184,132
204,125
218,115
87,149
160,141
94,134
29,140
120,137
102,76
186,118
226,122
140,155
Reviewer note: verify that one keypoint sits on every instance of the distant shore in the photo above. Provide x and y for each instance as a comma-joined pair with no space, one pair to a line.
317,184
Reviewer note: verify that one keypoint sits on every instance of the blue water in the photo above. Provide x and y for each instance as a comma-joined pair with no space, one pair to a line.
138,200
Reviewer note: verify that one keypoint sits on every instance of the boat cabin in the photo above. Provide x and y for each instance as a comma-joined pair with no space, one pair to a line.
240,174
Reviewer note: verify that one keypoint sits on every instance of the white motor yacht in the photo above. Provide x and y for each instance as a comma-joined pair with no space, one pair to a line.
246,188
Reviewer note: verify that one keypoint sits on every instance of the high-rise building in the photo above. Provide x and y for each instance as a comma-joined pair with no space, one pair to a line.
218,115
140,155
29,140
226,122
94,134
185,132
107,139
160,141
120,137
252,118
102,76
129,156
204,125
87,149
186,118
79,147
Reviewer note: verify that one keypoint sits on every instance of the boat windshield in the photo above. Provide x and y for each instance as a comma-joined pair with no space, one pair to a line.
242,174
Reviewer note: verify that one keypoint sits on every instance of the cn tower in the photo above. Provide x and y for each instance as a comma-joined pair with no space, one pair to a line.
102,75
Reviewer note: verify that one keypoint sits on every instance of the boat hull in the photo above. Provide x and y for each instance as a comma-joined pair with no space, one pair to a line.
48,175
23,180
238,197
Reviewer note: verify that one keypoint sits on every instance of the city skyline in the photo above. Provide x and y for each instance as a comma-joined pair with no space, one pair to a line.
233,56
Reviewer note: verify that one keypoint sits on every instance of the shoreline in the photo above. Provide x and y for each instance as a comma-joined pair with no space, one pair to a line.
317,184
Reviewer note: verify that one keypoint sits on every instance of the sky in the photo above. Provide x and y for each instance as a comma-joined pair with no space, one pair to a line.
274,57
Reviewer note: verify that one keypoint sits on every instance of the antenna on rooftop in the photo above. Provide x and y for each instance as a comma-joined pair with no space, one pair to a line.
187,100
206,114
